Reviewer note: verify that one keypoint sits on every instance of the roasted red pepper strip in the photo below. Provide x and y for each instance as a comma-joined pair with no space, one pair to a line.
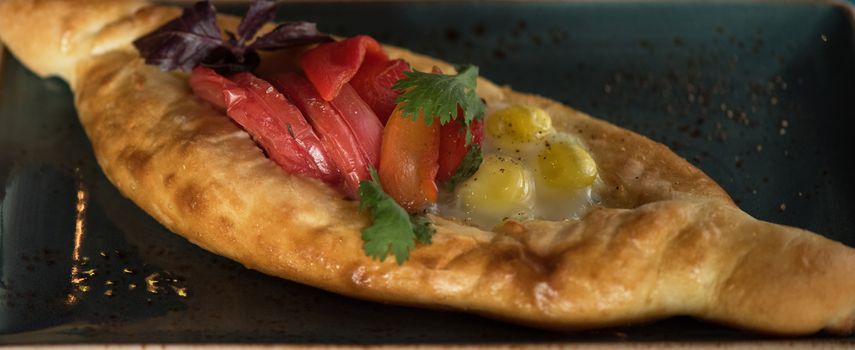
208,85
374,82
274,123
452,146
363,123
345,148
408,161
329,66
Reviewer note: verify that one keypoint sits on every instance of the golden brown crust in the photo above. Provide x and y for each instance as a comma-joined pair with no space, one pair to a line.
670,241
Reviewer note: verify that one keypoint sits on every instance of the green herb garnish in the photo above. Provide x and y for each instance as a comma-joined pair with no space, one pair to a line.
392,230
468,166
439,95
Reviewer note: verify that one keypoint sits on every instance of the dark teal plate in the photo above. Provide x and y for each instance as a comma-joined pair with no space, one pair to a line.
758,95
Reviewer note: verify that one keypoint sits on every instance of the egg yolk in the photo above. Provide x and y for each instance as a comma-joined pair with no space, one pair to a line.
530,171
518,124
565,166
502,187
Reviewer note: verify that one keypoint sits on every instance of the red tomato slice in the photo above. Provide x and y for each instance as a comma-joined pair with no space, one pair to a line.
334,131
362,121
329,66
374,82
408,161
452,146
274,123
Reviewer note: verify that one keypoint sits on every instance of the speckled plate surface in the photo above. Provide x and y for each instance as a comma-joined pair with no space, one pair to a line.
758,95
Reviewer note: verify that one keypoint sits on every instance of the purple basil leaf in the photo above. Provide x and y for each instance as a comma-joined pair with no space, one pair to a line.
260,12
290,34
232,38
237,49
183,42
194,39
225,62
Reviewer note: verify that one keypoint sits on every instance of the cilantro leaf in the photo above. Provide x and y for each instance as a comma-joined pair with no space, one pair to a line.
423,228
468,166
438,95
392,230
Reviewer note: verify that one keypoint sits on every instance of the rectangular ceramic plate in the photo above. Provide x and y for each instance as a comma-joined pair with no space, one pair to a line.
758,95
